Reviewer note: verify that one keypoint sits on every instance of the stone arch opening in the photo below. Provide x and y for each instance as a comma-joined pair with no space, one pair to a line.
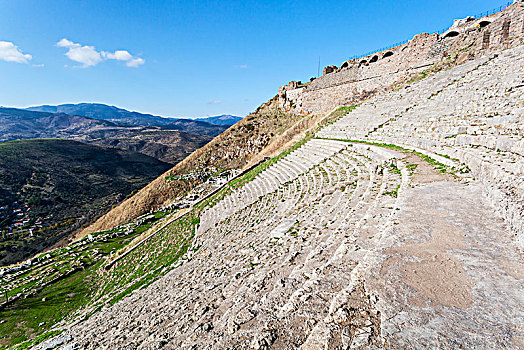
387,54
344,65
484,23
363,62
329,69
373,59
451,34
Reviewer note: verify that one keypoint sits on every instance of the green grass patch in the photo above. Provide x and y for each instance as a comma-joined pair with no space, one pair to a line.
418,77
56,302
411,168
394,169
393,193
442,168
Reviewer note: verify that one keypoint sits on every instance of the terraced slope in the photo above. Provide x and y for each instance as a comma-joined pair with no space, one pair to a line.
393,240
472,113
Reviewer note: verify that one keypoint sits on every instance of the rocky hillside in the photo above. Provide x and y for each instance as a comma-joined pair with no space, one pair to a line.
49,188
394,223
262,133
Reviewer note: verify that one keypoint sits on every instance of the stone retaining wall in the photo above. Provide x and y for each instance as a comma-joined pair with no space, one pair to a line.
468,38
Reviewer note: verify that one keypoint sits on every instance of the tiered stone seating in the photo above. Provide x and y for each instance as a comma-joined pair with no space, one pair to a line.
333,247
311,263
292,236
372,114
472,113
296,163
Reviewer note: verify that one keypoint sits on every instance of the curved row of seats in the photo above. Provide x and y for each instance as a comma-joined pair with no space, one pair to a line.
473,113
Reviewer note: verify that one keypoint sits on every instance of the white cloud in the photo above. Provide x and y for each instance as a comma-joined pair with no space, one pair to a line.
215,102
243,66
66,43
89,56
86,55
121,55
9,52
135,62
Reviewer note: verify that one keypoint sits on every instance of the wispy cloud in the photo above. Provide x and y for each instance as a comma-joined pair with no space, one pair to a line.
215,102
9,52
88,56
242,66
123,55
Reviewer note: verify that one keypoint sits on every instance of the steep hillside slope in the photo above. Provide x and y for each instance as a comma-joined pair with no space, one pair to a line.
396,223
170,146
49,188
266,129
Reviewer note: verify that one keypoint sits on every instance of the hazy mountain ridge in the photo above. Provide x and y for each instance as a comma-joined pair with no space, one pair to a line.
168,144
123,116
18,124
104,112
224,119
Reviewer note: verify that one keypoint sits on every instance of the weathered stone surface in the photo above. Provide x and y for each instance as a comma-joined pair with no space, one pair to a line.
345,245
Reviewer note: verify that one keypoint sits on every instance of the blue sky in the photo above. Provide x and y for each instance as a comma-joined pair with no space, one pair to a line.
194,58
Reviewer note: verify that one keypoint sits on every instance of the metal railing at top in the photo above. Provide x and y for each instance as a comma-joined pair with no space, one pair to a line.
480,15
379,50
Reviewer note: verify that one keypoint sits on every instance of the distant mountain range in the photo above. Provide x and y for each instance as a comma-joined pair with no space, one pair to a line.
123,116
224,119
170,142
51,184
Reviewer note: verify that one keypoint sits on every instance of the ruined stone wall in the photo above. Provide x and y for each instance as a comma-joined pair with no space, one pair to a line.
467,39
325,99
